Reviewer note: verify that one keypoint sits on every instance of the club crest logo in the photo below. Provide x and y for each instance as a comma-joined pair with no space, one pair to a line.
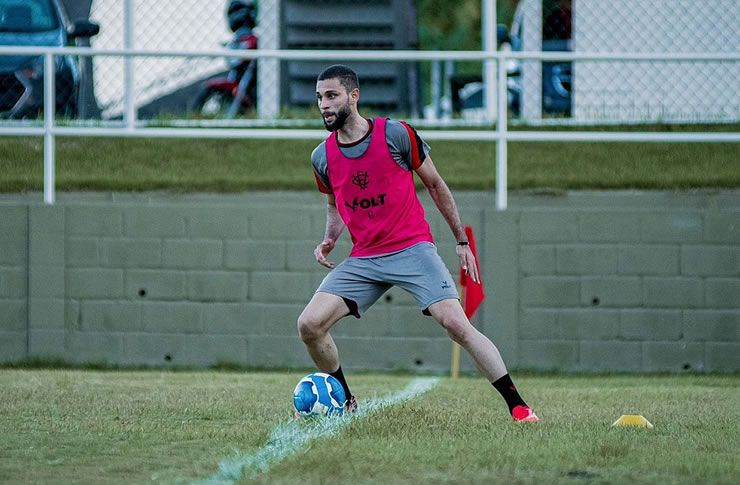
360,179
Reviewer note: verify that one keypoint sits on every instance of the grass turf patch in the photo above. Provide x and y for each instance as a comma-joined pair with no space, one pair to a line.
122,427
458,433
76,426
206,165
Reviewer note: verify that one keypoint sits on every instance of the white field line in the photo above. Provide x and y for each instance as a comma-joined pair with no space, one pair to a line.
290,437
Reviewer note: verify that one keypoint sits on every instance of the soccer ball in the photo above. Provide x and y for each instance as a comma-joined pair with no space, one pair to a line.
319,394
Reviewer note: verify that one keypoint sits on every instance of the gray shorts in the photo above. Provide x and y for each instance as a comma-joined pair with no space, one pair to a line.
417,269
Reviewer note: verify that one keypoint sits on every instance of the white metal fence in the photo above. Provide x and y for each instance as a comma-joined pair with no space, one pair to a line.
636,61
628,90
129,126
562,91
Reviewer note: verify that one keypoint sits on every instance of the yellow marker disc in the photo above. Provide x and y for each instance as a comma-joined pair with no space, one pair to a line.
636,420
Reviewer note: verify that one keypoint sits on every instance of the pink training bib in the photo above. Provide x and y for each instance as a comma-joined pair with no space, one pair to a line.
376,197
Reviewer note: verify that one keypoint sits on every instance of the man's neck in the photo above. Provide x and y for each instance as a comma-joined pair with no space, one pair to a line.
354,128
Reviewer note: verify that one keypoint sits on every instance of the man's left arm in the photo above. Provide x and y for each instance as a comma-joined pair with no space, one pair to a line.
442,197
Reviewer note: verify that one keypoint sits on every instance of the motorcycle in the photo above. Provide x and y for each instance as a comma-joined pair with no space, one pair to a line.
237,92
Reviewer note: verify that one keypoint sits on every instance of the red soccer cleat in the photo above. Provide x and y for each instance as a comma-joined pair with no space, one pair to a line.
351,405
524,414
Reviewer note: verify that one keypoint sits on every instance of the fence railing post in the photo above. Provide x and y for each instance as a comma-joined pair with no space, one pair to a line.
49,108
489,66
501,130
128,64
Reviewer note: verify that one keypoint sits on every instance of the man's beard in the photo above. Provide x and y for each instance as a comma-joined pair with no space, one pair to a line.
339,118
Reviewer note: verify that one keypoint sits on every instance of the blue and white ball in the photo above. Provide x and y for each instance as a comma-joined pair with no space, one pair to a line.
319,394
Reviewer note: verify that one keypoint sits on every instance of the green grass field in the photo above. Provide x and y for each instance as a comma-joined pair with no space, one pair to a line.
130,427
204,165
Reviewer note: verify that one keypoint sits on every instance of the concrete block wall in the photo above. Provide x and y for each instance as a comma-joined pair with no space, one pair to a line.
654,288
13,281
577,281
190,281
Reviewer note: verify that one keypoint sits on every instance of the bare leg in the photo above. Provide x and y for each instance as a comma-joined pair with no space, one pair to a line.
486,356
323,311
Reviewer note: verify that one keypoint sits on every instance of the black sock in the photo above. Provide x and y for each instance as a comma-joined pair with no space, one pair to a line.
508,391
339,375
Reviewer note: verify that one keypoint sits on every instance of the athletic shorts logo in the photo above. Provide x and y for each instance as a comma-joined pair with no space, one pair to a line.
445,285
360,179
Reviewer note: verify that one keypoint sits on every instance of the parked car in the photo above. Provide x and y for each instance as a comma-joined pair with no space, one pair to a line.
38,23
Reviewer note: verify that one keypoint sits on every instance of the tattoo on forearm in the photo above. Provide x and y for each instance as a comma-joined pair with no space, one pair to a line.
334,223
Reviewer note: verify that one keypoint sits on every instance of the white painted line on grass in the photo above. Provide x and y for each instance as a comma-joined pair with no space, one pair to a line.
290,437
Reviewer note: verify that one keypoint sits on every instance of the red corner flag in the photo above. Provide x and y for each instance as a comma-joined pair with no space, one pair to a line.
473,294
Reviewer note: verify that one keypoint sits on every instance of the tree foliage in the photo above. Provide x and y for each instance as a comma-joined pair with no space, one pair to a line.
456,25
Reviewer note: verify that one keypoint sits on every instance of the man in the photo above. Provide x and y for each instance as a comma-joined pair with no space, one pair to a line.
366,167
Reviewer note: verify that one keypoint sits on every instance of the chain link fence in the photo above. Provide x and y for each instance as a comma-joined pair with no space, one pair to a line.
627,91
569,91
163,85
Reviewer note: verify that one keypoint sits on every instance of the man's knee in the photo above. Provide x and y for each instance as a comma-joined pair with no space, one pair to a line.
459,329
310,327
323,311
451,317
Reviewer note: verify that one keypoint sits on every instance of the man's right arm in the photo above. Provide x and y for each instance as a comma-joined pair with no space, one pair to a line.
334,228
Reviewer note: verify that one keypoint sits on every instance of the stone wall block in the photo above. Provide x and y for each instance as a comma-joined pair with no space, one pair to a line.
285,287
611,291
676,292
649,259
540,226
710,260
217,286
611,356
154,221
93,220
549,291
608,226
673,226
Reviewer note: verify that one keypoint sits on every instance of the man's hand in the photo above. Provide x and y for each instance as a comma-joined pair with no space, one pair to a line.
467,262
322,251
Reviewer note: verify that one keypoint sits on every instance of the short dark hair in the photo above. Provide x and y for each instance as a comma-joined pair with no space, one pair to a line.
347,77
